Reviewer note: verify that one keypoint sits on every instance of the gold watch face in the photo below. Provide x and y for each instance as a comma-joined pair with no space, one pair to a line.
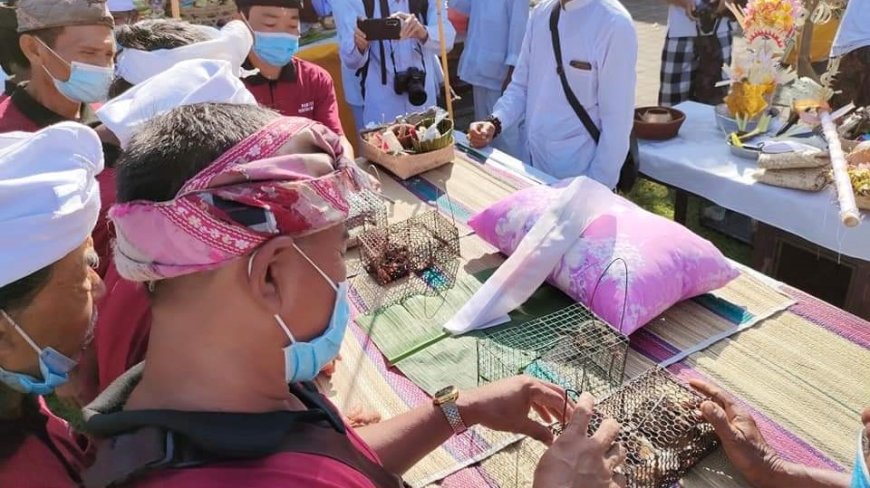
448,394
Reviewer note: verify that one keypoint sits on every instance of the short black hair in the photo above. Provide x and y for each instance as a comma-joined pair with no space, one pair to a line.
20,293
12,58
151,35
173,148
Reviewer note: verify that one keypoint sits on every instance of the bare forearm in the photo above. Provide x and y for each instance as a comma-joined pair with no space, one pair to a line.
403,441
793,475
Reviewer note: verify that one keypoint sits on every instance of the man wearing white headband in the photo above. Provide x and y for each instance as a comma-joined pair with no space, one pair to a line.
285,83
70,48
49,201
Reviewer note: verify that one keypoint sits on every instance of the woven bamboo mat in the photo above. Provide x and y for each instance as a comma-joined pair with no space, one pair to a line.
800,377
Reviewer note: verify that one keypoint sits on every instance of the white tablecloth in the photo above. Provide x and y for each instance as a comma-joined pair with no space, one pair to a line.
699,161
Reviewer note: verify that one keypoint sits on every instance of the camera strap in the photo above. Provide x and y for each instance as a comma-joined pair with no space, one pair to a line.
420,8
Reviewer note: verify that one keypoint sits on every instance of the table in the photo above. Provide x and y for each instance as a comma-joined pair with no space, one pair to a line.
699,162
829,349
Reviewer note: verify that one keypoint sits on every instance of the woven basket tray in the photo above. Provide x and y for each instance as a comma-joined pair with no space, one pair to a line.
407,165
863,202
210,15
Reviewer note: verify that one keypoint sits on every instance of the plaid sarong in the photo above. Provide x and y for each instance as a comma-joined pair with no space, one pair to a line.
679,64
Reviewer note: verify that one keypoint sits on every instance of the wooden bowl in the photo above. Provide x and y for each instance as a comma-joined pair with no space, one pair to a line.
657,131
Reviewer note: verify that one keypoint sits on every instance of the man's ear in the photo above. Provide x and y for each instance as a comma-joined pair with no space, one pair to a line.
266,271
32,48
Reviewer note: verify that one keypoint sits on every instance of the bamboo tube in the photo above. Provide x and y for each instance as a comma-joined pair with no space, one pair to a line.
448,91
175,9
845,194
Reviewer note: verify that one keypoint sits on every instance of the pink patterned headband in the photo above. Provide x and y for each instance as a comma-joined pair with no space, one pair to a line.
261,188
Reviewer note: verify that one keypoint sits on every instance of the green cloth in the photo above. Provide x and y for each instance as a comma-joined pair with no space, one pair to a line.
412,338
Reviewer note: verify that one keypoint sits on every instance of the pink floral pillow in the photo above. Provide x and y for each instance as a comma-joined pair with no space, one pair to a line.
666,262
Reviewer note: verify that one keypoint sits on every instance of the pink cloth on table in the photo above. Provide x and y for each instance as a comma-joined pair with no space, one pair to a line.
665,262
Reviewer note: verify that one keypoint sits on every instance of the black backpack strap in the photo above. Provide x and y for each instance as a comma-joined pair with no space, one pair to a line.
581,112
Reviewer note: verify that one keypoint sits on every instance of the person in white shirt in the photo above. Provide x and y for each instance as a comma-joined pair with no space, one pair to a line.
492,49
599,54
683,55
380,63
852,47
345,14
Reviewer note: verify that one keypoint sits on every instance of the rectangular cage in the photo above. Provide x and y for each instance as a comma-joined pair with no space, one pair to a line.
367,211
417,256
571,348
661,428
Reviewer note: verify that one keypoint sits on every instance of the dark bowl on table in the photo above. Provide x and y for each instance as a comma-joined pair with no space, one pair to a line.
660,130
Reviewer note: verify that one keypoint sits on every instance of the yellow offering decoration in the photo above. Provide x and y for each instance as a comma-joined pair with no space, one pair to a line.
748,100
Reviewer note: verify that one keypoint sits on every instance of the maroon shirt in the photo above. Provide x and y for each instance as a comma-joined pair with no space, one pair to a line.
303,89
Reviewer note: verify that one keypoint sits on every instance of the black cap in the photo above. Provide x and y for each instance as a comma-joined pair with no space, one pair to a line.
245,4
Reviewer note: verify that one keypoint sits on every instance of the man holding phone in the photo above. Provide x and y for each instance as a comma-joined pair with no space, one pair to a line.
393,49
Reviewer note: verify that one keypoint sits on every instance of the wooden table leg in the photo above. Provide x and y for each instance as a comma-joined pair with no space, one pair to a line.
681,206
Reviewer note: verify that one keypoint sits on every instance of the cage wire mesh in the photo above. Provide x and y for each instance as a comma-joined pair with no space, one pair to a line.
367,211
417,256
661,429
571,348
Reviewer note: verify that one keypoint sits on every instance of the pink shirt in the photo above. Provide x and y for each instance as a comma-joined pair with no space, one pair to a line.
283,470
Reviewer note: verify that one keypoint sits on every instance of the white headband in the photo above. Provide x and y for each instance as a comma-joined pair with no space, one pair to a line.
232,44
186,83
49,196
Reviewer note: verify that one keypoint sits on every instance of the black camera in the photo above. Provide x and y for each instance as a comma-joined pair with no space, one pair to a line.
413,82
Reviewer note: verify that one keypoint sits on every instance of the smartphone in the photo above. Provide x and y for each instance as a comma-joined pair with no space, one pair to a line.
389,29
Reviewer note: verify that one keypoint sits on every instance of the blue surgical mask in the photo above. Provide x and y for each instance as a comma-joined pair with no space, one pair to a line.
87,83
54,366
860,475
275,48
303,361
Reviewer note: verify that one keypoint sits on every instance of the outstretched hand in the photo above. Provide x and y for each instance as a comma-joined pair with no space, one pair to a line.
577,460
505,406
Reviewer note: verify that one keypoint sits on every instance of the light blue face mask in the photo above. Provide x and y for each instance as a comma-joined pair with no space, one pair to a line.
303,361
54,366
87,83
861,476
276,48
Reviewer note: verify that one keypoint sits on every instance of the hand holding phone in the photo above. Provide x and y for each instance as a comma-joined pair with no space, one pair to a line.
389,29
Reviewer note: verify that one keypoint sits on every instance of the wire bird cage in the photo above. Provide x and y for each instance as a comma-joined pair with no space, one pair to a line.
414,257
662,430
571,348
367,211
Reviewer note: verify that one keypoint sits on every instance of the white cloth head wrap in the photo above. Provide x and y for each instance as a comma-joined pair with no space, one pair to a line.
186,83
233,43
49,196
121,5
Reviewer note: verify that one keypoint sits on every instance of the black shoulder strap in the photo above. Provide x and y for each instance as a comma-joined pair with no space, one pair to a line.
420,8
560,69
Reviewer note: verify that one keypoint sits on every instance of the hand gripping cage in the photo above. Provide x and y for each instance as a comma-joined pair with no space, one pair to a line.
367,211
571,348
417,256
661,428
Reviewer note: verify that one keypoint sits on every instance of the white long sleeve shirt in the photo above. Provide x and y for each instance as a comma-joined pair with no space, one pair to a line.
381,103
495,36
854,30
599,51
344,12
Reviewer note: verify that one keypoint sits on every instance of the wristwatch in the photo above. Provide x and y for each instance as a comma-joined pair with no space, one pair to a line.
446,401
492,119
